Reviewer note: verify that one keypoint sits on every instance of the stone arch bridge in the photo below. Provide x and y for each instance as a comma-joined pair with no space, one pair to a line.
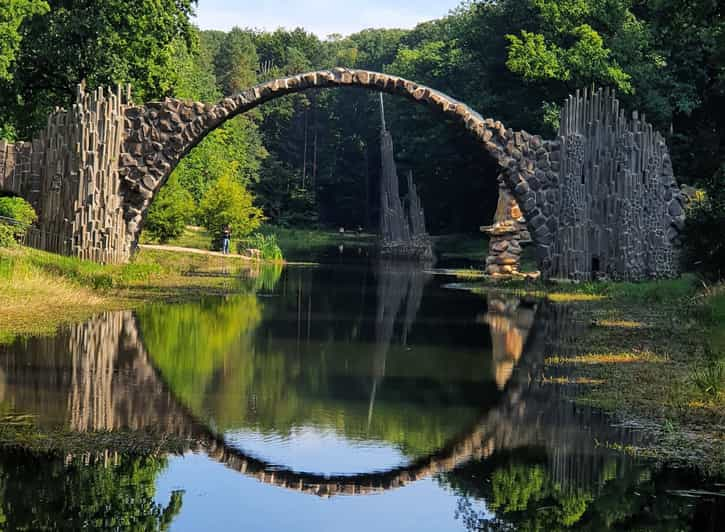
601,197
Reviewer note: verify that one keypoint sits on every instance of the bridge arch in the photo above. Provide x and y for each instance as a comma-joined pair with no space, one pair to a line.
160,134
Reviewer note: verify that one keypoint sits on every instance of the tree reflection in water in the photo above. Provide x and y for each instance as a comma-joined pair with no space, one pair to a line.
386,355
51,492
523,492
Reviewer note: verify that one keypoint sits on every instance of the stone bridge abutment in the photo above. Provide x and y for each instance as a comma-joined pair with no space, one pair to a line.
600,198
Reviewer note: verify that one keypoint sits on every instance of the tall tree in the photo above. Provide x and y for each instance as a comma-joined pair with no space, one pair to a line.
12,15
103,42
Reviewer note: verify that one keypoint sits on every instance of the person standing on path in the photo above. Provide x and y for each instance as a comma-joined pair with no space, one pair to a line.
226,239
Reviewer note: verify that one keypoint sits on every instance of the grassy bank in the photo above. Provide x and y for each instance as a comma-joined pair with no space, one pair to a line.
295,244
41,291
652,354
306,244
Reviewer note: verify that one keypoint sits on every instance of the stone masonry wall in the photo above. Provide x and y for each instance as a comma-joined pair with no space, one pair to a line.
160,134
599,200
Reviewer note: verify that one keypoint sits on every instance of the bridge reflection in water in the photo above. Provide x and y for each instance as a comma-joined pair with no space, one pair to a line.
104,375
382,357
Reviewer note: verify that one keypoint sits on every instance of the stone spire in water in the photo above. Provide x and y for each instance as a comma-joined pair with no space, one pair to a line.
402,232
393,221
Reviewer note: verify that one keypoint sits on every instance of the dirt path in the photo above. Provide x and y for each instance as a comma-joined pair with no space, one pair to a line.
179,249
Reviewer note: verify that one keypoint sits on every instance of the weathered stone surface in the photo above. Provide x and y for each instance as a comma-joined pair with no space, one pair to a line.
577,221
595,230
507,231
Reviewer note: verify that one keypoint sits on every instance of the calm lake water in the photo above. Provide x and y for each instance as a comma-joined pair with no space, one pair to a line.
350,396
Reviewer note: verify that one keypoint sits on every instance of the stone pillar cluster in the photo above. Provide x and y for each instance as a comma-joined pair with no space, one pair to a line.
620,209
402,224
69,173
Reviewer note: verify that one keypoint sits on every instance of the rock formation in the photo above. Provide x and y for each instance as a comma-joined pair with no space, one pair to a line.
599,200
507,234
402,232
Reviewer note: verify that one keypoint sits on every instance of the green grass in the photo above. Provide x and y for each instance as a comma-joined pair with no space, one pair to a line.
41,291
664,292
297,244
91,274
653,352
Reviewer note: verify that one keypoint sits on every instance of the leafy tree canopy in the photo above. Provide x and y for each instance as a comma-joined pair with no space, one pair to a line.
12,14
227,202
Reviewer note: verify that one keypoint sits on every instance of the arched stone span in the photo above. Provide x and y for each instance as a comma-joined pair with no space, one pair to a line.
159,134
599,199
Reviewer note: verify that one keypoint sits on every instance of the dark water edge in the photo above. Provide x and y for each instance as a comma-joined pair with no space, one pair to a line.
359,395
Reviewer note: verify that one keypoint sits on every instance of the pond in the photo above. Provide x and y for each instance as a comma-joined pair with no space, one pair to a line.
358,395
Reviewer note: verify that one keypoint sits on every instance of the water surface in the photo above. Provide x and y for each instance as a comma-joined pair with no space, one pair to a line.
357,395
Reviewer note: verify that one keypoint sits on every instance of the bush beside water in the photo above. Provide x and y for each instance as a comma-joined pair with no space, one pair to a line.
266,244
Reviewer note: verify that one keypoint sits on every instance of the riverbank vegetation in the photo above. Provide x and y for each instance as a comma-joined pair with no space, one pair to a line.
652,354
41,291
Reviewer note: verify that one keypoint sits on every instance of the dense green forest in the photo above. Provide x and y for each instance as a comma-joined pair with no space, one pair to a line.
312,159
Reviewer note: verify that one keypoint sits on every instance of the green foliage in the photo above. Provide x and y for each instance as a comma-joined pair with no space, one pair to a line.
236,62
704,240
222,64
18,209
172,209
233,149
266,244
7,235
12,15
227,202
8,132
530,57
102,42
516,486
525,493
567,48
195,69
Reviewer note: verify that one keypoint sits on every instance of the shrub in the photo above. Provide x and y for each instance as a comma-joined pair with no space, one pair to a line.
7,235
172,210
266,244
18,209
228,202
704,239
21,212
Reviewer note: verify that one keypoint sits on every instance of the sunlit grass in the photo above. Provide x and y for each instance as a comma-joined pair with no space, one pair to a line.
468,274
573,297
606,358
41,291
573,380
623,324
